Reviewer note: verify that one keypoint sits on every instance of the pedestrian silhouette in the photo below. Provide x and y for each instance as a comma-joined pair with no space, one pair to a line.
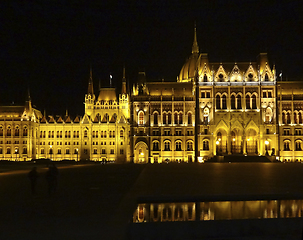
51,178
33,176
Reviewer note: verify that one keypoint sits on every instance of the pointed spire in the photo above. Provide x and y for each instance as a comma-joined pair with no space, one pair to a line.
123,82
195,48
28,95
28,103
110,79
90,82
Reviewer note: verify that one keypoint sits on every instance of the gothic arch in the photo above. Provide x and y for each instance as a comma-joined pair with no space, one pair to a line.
141,152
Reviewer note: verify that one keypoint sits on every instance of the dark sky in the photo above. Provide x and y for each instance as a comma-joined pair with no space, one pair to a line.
48,46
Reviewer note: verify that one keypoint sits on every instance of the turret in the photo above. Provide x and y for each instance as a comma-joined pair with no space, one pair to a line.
124,98
27,114
195,48
90,96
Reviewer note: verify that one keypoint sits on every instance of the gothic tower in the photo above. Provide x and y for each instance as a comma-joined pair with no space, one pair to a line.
90,96
124,98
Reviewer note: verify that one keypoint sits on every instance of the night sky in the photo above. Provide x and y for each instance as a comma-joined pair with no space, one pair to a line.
48,46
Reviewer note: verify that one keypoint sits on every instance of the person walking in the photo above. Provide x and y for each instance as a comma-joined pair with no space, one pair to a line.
33,176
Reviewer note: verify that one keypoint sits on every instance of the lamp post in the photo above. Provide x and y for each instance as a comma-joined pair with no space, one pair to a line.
77,150
16,151
266,147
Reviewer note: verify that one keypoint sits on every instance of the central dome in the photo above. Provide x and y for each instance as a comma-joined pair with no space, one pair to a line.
187,73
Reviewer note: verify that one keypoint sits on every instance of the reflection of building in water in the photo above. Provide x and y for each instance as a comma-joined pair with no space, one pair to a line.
225,210
165,212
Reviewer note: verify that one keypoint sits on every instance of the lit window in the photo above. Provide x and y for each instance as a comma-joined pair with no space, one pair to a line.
141,118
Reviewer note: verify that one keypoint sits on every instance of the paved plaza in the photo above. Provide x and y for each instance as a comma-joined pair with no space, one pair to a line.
95,201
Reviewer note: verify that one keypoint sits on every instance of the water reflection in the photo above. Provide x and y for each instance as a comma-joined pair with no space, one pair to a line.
221,210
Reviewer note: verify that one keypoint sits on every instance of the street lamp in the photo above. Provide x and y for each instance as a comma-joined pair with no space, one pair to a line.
77,150
266,147
16,151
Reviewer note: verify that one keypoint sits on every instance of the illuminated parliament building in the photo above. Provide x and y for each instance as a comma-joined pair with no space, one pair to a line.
212,109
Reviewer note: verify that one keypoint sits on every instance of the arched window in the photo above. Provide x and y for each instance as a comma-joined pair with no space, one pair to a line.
266,77
178,146
189,120
169,118
189,146
300,117
239,103
247,102
85,133
24,150
205,78
121,133
218,102
141,118
156,146
205,145
298,146
25,132
1,131
8,131
105,118
180,118
286,146
8,151
17,132
164,118
167,146
233,102
155,118
224,104
176,118
254,101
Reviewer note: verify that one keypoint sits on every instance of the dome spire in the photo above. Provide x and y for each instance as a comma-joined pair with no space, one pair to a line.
90,82
195,48
123,81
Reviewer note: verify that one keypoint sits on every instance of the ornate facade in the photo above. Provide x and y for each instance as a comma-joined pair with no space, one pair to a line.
212,109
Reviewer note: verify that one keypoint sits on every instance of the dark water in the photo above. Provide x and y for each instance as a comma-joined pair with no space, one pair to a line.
218,210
